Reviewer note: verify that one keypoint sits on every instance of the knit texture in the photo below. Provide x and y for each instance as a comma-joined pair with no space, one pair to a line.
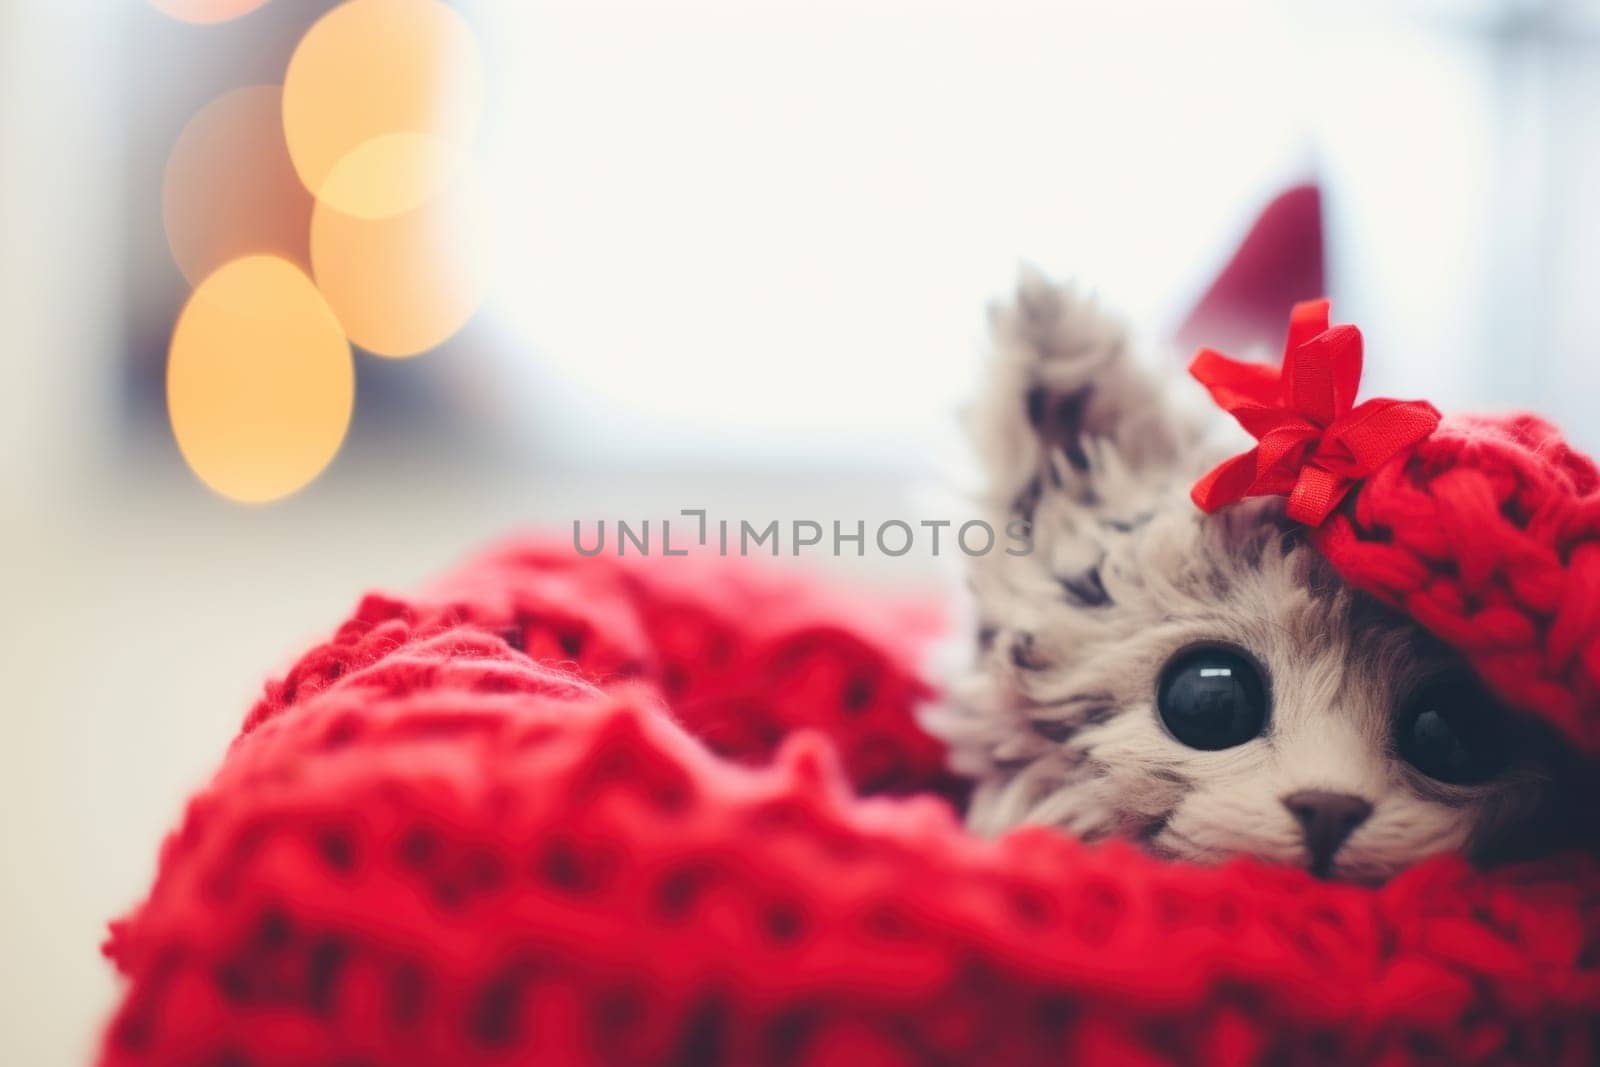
1488,534
1485,529
589,811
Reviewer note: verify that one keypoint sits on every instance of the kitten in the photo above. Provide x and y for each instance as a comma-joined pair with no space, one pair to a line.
1203,685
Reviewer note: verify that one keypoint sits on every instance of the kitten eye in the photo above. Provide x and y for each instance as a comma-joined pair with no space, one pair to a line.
1452,731
1212,698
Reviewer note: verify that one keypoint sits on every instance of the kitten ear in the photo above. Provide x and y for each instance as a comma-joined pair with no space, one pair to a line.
1065,407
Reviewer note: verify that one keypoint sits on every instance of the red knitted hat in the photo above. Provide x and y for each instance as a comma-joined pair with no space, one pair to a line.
1484,529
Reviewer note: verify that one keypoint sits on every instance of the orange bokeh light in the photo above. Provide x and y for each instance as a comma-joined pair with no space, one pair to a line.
206,10
260,382
230,190
392,174
371,68
401,285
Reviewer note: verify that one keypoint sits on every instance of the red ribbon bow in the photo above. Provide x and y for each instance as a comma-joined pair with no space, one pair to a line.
1314,446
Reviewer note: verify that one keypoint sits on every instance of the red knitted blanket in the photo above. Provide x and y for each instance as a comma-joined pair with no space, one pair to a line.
572,811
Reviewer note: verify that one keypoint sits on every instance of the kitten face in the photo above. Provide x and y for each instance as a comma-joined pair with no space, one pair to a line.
1061,723
1059,718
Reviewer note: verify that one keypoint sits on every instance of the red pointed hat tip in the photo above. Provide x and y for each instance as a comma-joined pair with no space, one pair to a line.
1314,442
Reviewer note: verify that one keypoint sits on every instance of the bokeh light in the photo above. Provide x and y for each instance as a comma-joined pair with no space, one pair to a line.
260,382
392,174
230,190
371,68
206,10
401,285
356,172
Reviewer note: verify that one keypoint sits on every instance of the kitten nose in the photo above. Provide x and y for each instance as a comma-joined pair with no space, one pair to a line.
1326,819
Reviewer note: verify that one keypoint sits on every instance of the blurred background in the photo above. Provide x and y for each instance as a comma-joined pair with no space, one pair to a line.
302,298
